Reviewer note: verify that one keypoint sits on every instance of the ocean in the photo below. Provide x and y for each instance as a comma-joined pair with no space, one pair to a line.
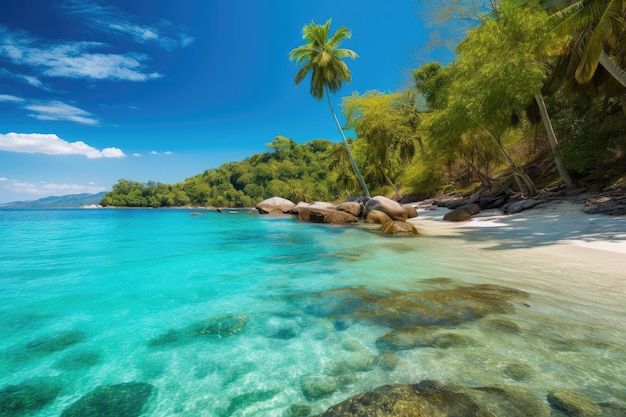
164,313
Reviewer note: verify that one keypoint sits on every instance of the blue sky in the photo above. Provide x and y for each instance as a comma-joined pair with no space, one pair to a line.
93,91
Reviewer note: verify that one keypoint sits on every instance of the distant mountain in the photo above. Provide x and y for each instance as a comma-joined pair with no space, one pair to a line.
64,201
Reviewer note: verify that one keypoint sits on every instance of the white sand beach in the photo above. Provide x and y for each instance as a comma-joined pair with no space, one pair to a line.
555,233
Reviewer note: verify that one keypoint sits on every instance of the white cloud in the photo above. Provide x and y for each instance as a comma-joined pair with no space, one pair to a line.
51,144
3,179
137,155
110,19
57,110
167,153
160,153
8,97
70,59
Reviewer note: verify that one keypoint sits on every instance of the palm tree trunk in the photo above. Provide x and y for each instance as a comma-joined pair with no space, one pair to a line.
554,144
345,141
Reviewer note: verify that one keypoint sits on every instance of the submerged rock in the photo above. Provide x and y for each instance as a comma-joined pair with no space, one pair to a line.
434,399
78,360
217,328
249,398
314,387
28,397
404,311
519,371
56,341
573,403
298,410
119,400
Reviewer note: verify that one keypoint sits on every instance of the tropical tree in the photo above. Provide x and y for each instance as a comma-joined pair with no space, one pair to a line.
322,58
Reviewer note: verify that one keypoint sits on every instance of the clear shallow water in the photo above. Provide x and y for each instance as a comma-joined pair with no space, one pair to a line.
84,295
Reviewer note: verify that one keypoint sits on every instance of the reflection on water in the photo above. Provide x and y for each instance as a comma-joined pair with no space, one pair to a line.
166,314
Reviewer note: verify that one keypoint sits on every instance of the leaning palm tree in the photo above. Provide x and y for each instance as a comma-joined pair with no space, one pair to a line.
322,57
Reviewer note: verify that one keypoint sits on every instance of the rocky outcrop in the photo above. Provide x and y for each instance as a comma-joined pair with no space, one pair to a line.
377,217
391,208
275,205
320,215
612,202
351,207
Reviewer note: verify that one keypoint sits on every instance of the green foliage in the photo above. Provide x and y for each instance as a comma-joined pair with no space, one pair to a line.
290,170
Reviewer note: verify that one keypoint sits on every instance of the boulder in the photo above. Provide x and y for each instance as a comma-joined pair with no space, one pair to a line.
325,216
518,206
472,208
411,211
457,215
399,228
275,205
317,204
377,217
392,208
351,207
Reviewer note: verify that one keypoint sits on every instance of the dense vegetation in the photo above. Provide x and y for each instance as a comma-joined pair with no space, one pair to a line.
535,95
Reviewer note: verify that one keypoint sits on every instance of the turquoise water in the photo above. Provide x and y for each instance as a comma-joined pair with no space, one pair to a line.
90,298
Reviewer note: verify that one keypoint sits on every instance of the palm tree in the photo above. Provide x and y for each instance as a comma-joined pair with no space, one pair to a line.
322,57
599,25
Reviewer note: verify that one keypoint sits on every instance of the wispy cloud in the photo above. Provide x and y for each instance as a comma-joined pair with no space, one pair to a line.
106,18
56,110
10,98
48,188
70,59
160,153
51,144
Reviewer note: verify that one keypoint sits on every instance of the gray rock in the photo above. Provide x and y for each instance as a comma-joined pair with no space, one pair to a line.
275,205
457,215
325,216
314,387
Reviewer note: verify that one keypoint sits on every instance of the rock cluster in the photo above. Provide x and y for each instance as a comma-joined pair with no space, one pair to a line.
391,215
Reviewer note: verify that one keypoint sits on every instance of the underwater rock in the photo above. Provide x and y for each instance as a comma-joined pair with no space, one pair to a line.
573,403
402,400
432,398
388,361
505,325
298,410
219,327
119,400
249,398
284,334
403,311
28,397
56,341
314,387
518,371
78,360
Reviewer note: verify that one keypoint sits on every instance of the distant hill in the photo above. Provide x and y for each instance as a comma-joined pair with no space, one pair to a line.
64,201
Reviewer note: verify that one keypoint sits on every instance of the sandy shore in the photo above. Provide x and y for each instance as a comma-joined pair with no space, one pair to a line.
558,228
